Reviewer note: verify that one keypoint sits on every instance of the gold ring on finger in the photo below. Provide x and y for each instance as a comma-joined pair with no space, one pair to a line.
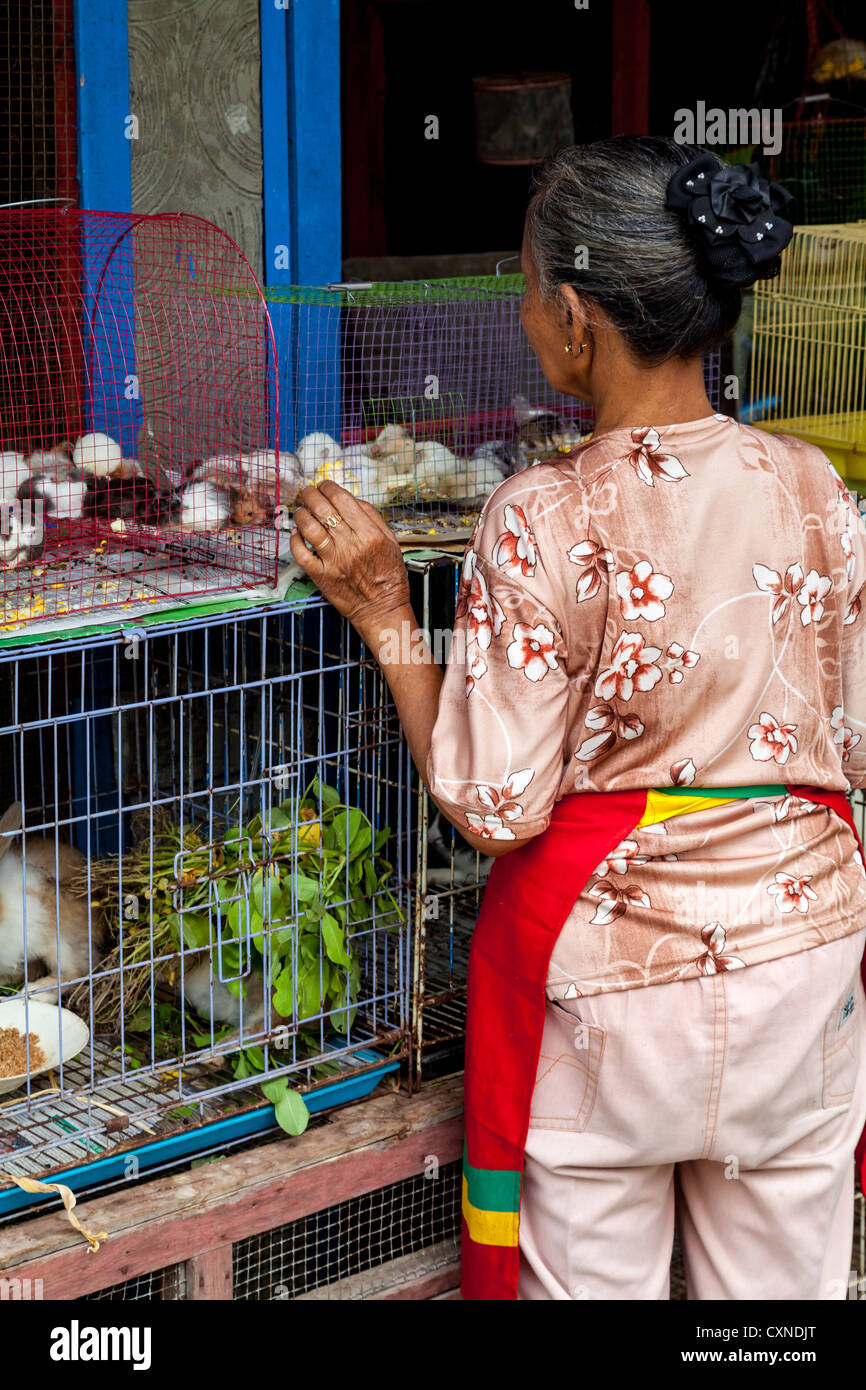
329,540
332,520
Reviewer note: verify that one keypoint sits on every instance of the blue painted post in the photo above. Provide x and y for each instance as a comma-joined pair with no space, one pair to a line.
106,127
108,339
302,212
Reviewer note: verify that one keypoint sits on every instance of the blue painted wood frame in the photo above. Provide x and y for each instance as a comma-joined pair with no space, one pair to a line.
108,337
302,201
104,179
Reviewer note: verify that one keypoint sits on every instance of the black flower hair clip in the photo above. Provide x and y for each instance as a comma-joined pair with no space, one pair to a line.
736,217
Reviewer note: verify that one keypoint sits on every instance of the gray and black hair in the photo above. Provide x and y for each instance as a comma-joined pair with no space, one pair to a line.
642,267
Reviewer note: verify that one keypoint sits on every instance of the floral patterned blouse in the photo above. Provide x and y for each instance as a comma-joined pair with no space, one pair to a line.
668,607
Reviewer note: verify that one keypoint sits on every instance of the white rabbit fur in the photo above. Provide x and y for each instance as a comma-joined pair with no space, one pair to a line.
45,880
14,470
222,1006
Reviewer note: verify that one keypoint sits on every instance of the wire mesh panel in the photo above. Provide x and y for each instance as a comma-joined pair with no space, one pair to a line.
420,397
204,862
808,369
334,1245
137,406
158,1285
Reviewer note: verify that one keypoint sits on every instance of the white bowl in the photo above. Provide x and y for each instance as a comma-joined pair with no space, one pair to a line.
50,1024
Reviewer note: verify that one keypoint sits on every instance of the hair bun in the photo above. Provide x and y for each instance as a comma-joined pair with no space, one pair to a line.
736,218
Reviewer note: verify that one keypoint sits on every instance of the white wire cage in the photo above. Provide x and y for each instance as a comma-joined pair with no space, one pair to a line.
204,880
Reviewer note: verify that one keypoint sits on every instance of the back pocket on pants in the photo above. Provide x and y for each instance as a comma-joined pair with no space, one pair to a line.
568,1067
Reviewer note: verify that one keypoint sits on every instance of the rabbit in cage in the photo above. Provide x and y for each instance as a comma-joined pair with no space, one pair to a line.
451,862
210,998
33,897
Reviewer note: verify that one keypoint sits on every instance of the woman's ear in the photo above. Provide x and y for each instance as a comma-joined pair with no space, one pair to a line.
574,315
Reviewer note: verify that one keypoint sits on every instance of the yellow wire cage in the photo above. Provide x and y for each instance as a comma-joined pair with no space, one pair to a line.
808,365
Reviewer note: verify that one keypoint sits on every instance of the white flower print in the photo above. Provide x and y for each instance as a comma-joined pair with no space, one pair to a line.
476,669
814,590
618,860
842,734
484,618
771,582
847,542
515,551
485,612
614,901
591,747
852,611
772,740
596,564
792,894
612,726
503,800
713,962
632,667
683,772
532,651
677,660
642,592
784,805
650,463
489,827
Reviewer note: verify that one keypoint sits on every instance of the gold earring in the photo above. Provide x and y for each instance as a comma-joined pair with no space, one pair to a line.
580,348
569,348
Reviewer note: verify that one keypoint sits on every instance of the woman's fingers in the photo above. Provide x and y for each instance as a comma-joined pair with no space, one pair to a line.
313,530
307,559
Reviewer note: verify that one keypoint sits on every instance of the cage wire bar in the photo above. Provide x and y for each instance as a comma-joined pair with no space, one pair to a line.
808,365
419,396
198,807
137,409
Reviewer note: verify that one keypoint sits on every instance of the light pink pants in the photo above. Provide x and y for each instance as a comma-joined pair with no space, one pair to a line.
730,1103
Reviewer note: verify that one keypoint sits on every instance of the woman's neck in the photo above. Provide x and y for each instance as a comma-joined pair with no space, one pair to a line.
630,395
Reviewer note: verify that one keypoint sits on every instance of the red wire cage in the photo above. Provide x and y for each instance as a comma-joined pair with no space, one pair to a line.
138,413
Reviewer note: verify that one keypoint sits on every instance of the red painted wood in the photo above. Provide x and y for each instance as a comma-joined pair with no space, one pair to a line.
209,1275
631,67
178,1218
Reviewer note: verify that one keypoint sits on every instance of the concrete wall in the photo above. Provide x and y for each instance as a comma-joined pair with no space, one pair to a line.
195,78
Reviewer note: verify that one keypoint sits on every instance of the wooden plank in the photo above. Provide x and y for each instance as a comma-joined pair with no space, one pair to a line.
421,1275
209,1275
364,1147
631,68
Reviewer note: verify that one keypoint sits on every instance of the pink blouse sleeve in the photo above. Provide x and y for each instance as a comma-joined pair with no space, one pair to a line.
497,750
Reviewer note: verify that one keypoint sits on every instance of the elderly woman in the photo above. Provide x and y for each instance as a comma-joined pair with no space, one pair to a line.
651,720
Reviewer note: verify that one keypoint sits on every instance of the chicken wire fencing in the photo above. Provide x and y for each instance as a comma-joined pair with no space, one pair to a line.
418,396
204,862
137,409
